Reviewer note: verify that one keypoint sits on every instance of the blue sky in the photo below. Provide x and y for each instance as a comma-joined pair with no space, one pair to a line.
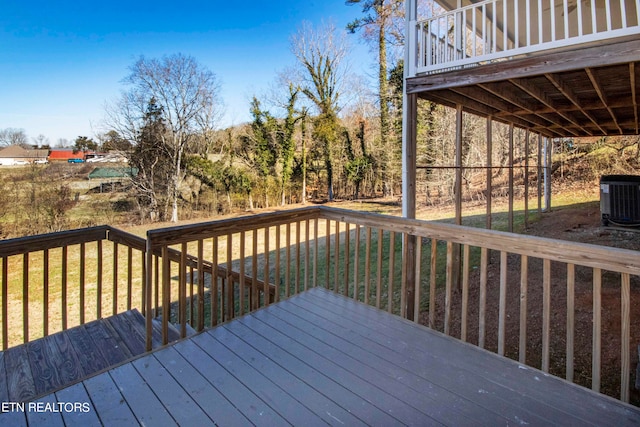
60,61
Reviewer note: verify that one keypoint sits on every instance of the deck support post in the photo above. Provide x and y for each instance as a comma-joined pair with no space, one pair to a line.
409,144
489,171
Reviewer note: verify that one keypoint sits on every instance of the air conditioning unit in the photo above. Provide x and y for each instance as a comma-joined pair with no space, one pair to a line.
620,200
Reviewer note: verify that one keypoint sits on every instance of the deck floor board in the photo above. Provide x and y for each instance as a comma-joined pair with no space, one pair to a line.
319,358
47,364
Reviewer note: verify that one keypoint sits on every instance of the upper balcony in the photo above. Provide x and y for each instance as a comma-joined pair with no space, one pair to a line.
498,30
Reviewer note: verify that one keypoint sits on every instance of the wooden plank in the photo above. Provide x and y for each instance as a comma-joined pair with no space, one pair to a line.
78,410
4,392
210,399
41,355
546,314
320,409
386,395
432,283
502,305
521,386
385,368
90,357
66,362
107,342
324,375
127,331
108,403
142,400
45,417
282,403
256,410
426,373
19,378
173,397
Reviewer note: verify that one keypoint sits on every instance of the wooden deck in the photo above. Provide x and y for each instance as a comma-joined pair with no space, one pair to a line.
50,363
316,359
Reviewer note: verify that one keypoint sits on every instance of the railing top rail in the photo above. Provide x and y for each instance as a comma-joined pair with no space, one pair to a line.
193,232
606,258
128,239
59,239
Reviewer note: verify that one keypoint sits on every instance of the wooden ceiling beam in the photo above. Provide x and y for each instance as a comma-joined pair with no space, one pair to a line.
511,97
528,87
595,82
568,93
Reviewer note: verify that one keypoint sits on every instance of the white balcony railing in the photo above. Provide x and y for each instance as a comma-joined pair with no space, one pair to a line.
495,30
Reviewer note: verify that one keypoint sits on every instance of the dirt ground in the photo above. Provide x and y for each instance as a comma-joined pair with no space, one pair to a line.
580,223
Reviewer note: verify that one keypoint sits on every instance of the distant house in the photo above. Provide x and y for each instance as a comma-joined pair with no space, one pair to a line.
16,155
66,154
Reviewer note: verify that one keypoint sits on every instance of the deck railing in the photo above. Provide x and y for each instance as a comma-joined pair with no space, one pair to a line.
494,30
56,281
485,287
477,285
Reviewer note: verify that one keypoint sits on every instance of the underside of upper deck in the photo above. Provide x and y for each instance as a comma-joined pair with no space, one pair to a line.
590,90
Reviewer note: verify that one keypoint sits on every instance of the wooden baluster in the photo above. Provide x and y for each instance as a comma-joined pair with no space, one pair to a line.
336,259
502,309
5,303
287,271
230,309
115,279
546,313
276,277
182,291
465,292
380,237
214,281
45,293
356,264
482,309
367,266
255,297
524,278
432,283
25,297
597,325
625,336
82,283
266,276
392,259
571,280
99,282
297,282
448,288
200,267
327,244
242,273
129,276
347,237
418,288
166,294
307,254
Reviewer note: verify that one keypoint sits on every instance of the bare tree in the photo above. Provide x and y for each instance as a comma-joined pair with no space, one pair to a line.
12,136
188,95
321,55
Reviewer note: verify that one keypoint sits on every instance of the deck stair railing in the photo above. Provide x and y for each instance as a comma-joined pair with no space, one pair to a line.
495,30
56,281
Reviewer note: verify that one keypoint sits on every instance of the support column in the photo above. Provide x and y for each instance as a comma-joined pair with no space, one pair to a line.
458,183
489,170
409,144
511,178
